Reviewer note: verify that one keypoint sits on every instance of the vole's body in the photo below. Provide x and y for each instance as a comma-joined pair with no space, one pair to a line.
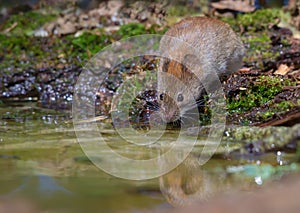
210,43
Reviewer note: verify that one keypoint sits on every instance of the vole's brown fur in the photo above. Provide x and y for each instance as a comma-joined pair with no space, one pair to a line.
199,47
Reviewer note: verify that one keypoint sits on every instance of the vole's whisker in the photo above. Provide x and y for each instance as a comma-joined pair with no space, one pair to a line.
181,122
190,107
192,113
200,101
190,118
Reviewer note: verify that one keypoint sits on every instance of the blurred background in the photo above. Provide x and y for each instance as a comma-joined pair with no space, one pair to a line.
44,46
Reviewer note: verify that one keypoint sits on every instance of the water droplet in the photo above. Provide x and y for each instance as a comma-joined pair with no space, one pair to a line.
258,180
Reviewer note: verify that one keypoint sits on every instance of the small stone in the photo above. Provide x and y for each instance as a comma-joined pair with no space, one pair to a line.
67,28
41,33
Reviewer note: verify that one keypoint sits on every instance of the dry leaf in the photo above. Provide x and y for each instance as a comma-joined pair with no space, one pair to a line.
240,6
282,69
246,69
62,55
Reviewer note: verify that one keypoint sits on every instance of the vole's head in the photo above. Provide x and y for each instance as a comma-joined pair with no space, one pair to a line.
177,90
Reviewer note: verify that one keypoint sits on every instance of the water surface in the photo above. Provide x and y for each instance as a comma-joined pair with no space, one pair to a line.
44,169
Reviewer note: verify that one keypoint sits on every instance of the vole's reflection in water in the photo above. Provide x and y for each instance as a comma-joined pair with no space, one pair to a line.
190,183
186,184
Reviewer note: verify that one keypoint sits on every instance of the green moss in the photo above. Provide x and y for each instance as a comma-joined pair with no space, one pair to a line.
257,37
88,44
276,109
205,118
262,91
266,115
284,105
17,47
12,48
26,22
258,20
260,42
285,42
20,52
273,80
14,43
133,92
133,29
259,49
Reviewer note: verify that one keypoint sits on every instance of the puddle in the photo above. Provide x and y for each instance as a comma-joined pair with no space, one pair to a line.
45,170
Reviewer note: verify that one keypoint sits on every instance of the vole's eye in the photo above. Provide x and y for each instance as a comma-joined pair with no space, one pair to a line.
161,96
180,98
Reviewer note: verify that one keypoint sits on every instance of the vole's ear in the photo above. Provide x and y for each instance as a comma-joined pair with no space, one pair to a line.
190,61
